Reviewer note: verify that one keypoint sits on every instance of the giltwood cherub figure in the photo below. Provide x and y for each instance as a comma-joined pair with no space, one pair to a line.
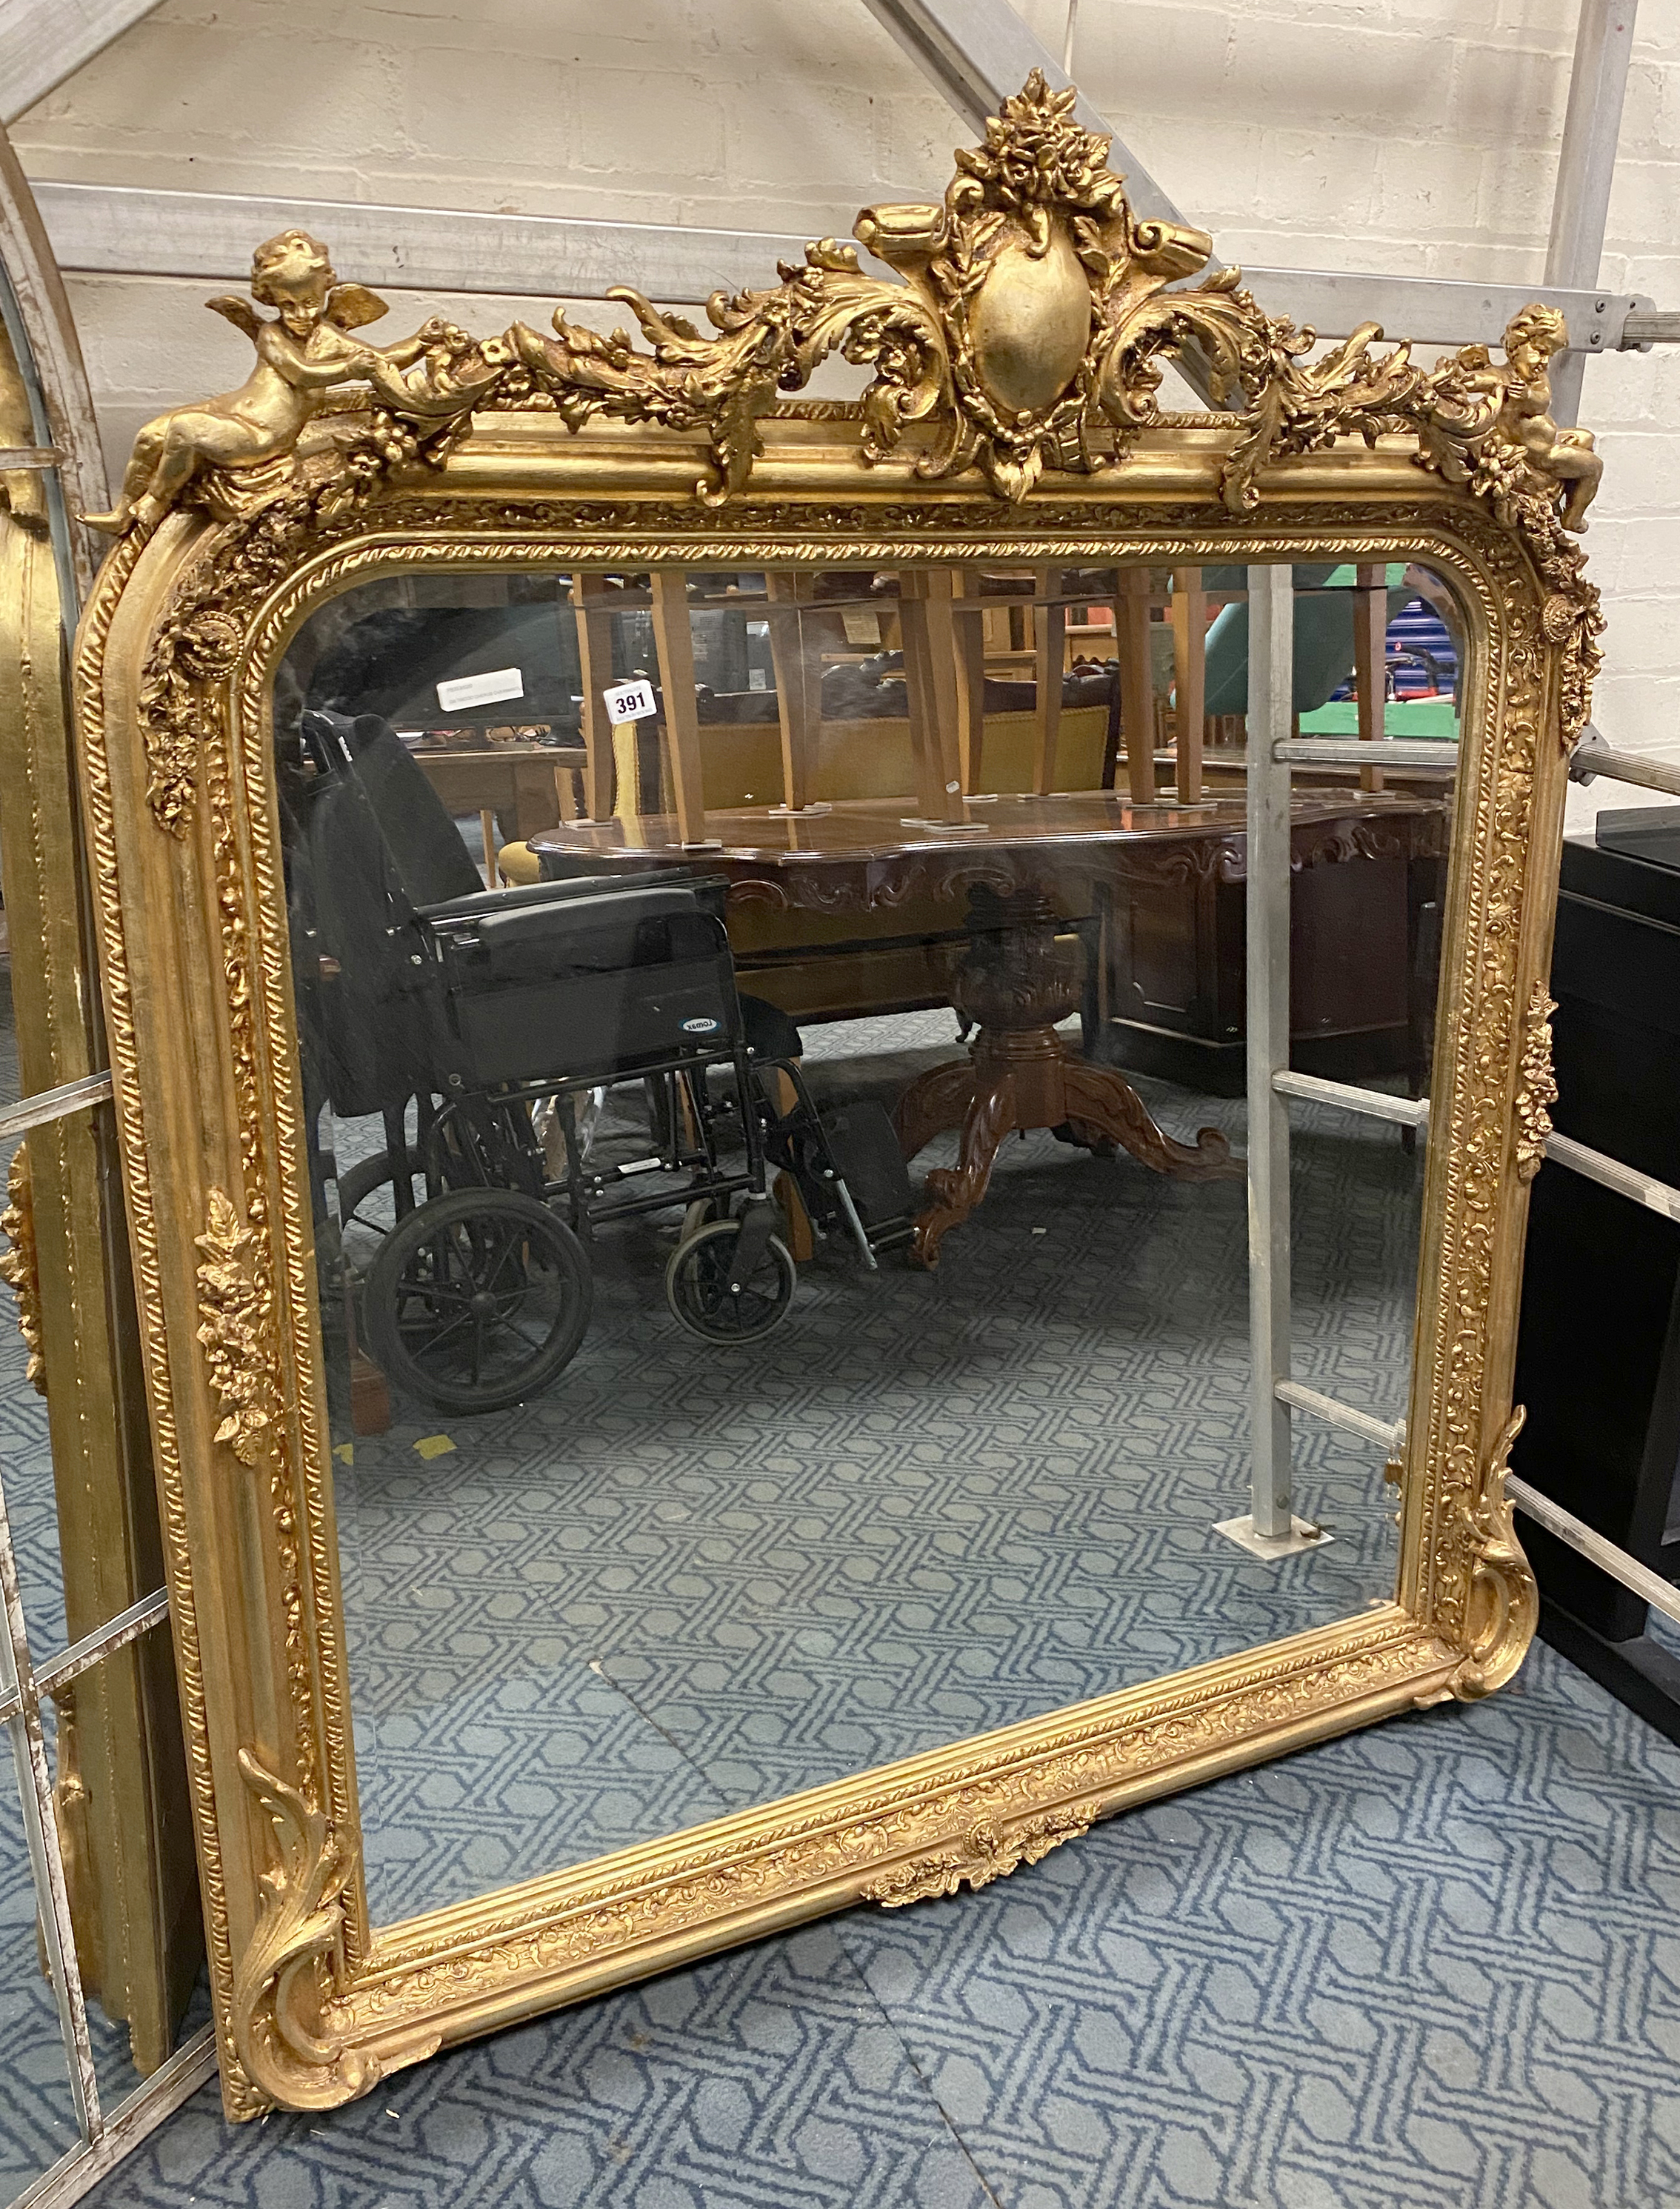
1565,455
304,351
1488,408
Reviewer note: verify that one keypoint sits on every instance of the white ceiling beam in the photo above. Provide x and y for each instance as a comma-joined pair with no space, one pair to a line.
118,230
44,41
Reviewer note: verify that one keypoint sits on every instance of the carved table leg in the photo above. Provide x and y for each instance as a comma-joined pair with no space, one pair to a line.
935,1100
1101,1103
955,1190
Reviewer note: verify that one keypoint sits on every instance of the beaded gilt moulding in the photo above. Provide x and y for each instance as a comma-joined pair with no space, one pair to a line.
1015,336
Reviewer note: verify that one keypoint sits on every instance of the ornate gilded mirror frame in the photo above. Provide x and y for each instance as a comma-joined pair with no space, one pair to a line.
1013,415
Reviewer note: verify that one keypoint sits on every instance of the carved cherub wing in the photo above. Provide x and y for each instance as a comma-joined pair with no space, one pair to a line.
240,312
350,305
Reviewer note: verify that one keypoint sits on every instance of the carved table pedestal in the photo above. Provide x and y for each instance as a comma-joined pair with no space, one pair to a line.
1016,982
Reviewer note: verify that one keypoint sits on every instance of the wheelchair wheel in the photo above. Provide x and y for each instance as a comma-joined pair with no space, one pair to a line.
477,1300
366,1196
696,1286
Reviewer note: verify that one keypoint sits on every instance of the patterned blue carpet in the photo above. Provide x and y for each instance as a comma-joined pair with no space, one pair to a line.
1432,1966
686,1581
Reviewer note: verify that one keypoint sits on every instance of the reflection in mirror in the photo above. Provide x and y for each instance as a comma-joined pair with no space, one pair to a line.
772,1047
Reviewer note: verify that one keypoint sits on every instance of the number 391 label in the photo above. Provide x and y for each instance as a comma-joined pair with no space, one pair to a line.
629,701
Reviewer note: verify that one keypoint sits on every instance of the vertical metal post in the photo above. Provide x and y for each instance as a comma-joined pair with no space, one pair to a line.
1586,166
1271,716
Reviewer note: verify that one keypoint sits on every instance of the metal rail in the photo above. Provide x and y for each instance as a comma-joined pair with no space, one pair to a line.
1369,1428
1375,1104
125,230
54,1105
1594,757
1414,1111
128,1626
1610,1173
1659,1593
1387,752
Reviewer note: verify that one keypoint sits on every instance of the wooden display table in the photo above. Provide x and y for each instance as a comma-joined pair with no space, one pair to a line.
1001,898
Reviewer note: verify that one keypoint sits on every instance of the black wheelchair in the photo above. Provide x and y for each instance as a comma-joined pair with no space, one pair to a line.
496,1018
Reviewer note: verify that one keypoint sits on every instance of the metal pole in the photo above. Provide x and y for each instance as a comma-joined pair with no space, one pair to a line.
1598,758
1586,168
1271,719
1660,1594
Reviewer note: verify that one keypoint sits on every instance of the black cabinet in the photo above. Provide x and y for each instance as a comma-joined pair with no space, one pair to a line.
1599,1348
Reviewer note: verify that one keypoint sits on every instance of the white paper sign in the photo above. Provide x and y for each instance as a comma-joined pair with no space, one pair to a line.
480,690
629,701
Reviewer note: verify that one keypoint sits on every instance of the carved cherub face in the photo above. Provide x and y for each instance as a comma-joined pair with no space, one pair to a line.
293,274
1532,337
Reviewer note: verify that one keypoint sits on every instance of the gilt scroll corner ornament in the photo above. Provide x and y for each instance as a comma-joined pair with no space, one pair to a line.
981,1855
285,2034
237,1331
1503,1605
20,1266
1536,1084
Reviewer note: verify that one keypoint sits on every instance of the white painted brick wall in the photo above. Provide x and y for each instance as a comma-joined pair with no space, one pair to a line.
1352,134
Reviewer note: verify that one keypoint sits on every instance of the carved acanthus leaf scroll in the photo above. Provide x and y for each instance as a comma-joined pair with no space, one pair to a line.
1503,1608
19,1267
282,2019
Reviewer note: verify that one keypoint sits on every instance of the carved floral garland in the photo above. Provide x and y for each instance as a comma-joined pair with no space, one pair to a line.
21,1266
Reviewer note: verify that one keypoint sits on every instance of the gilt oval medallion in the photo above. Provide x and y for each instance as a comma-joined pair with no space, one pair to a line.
1031,323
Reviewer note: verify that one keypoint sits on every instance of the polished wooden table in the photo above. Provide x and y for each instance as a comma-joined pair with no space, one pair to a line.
1022,868
869,855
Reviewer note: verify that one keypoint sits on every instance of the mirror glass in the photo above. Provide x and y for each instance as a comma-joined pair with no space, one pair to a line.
773,1048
